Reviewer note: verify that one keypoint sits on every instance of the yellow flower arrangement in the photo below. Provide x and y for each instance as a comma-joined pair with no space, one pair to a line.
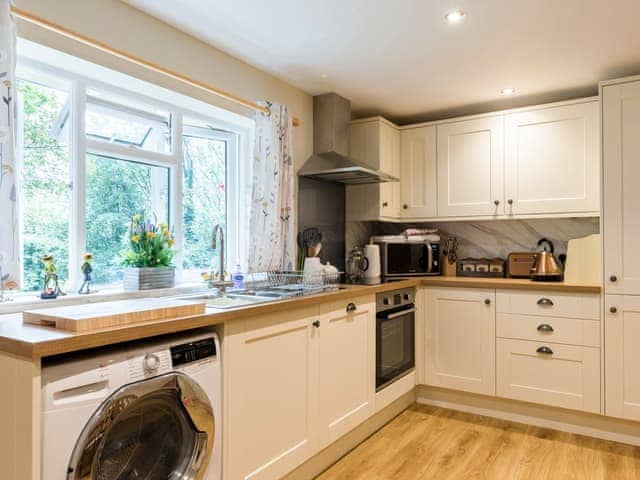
149,244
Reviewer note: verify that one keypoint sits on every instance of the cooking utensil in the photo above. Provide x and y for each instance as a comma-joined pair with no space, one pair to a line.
311,239
546,268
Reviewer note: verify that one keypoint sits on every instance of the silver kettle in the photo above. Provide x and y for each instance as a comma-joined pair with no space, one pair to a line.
546,267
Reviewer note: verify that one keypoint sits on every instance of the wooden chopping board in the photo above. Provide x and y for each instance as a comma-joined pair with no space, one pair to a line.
584,260
94,316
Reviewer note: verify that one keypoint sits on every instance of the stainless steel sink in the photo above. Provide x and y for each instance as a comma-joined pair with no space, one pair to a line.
230,300
241,298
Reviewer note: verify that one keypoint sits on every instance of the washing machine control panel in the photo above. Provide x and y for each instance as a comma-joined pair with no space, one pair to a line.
192,352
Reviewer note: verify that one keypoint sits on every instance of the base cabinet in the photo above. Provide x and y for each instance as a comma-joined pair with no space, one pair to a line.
460,339
347,370
566,376
622,356
271,394
294,382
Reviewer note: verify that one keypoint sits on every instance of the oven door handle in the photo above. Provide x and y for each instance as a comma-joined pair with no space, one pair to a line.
429,257
391,316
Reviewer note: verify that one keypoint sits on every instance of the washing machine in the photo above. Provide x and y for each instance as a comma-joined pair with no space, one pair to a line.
149,410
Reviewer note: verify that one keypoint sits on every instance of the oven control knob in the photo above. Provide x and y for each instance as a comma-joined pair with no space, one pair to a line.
407,297
151,362
386,301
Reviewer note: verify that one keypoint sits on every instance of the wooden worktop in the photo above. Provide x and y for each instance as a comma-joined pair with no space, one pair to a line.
36,341
510,284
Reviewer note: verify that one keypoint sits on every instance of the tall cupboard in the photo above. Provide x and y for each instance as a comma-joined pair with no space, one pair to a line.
621,222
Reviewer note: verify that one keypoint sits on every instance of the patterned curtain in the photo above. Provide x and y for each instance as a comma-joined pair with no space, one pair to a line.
9,226
272,217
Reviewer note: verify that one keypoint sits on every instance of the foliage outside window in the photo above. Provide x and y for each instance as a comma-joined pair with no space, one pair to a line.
128,167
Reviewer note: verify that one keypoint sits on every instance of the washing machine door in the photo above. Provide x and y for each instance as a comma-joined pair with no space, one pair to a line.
155,429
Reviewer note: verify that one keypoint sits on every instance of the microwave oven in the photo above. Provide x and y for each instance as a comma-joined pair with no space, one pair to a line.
406,257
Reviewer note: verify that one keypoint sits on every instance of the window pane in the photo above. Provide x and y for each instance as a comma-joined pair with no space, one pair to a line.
46,177
204,182
116,190
131,124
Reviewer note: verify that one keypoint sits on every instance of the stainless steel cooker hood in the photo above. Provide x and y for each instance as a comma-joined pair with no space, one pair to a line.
330,160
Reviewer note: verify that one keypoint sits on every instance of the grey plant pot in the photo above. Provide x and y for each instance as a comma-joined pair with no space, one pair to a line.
147,278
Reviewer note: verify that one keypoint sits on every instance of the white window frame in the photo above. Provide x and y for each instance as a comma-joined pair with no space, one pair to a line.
238,140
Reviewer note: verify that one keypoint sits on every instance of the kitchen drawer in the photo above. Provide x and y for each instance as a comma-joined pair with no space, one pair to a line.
366,302
570,331
552,304
569,377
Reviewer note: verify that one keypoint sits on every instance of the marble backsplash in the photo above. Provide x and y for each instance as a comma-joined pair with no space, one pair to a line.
490,238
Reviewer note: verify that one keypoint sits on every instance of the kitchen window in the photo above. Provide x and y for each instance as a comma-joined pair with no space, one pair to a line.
94,154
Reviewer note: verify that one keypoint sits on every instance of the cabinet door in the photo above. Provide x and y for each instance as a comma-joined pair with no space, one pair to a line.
460,339
622,356
271,394
621,154
364,143
389,163
552,160
347,367
374,142
471,168
418,172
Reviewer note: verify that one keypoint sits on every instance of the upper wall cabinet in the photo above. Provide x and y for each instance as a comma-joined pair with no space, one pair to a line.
374,142
418,172
621,156
470,168
552,160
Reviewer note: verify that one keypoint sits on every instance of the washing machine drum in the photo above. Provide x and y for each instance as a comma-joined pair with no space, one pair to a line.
155,429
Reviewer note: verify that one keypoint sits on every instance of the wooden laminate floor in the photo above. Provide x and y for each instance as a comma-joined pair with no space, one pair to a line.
435,443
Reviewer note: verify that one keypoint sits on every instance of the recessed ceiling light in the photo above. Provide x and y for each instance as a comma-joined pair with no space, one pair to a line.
324,75
455,16
508,91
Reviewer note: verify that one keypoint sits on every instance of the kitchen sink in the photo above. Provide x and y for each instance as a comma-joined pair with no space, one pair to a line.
230,300
242,298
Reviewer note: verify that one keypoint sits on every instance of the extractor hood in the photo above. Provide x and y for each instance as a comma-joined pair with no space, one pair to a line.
330,160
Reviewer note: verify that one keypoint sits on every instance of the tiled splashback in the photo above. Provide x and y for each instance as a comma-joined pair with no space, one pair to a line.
490,238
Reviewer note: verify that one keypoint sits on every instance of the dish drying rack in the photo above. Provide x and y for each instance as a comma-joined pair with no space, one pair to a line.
293,280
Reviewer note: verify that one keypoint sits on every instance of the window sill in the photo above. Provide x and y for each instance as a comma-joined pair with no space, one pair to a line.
31,301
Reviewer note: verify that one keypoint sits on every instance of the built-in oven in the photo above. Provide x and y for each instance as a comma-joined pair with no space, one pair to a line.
395,336
405,257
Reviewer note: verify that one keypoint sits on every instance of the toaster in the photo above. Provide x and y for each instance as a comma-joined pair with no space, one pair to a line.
519,264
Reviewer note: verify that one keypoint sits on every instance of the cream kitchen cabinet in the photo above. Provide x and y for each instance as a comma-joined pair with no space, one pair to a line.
294,382
622,356
346,367
552,160
376,143
621,157
548,348
271,393
470,164
460,339
418,172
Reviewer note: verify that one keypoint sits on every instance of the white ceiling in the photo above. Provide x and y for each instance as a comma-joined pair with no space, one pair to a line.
401,59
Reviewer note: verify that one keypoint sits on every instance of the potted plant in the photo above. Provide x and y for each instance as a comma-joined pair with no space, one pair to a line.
148,259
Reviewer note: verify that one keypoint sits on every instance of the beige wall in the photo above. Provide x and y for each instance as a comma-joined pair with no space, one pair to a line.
121,26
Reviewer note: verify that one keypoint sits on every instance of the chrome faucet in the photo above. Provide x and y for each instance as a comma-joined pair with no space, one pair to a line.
221,284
